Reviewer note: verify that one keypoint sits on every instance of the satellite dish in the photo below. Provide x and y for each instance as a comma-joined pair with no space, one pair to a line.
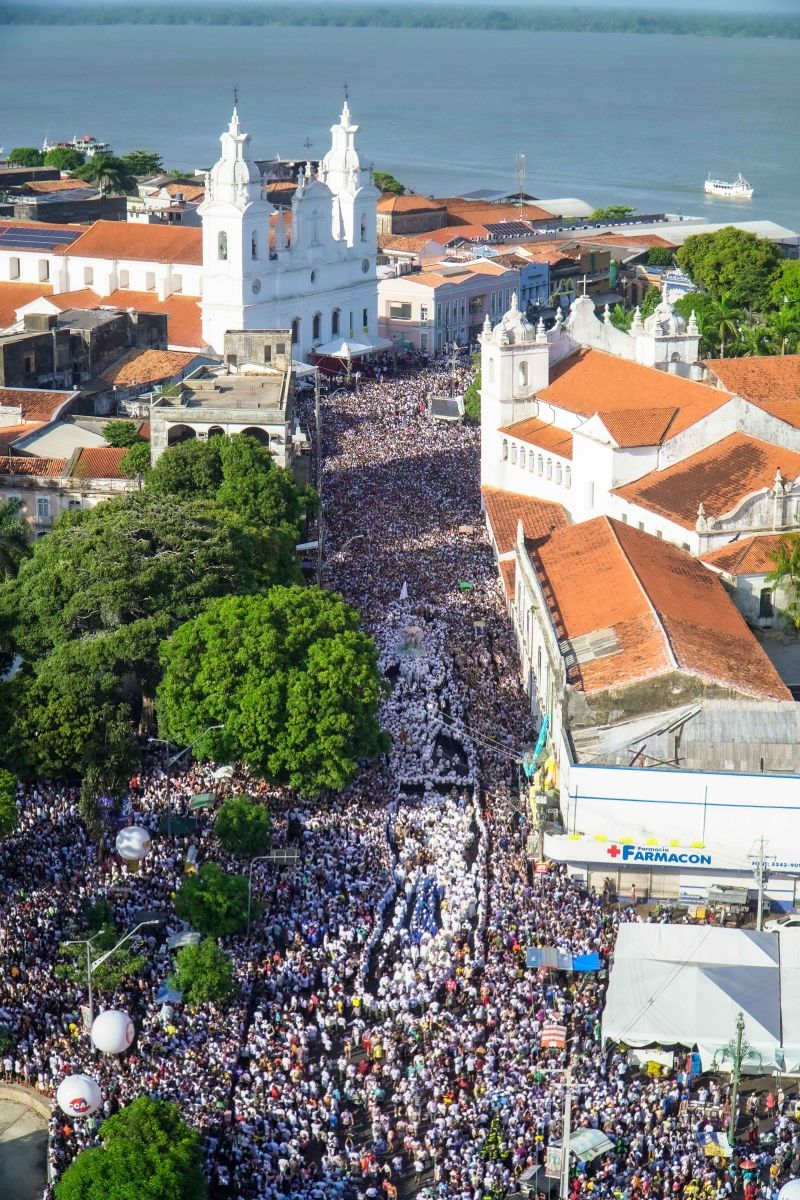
79,1096
113,1031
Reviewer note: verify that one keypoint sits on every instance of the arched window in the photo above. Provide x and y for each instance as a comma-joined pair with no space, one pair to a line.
568,477
505,450
531,462
363,229
558,472
490,372
316,327
549,471
335,323
514,453
522,457
523,374
254,245
295,331
222,246
539,465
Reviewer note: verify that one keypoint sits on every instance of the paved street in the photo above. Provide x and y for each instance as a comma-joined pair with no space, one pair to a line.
23,1151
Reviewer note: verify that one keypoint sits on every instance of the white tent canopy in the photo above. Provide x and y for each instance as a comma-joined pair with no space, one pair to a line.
685,985
345,348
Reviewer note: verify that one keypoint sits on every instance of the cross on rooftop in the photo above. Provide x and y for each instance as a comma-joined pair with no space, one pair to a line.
235,97
584,281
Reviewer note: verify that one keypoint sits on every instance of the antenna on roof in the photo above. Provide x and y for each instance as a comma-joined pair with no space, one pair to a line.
520,181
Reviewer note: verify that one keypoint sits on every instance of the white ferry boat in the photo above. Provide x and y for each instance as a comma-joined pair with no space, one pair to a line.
87,145
740,189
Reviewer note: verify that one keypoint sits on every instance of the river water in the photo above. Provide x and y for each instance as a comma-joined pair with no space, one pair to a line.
605,117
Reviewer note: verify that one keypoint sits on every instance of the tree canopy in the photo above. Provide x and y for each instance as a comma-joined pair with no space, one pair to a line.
14,545
213,902
387,183
292,678
147,1153
109,173
25,156
242,826
142,162
204,973
121,433
9,813
472,398
65,158
786,574
732,261
612,212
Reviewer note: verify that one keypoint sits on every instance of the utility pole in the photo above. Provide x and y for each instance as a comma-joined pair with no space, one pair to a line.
565,1141
761,876
318,435
736,1075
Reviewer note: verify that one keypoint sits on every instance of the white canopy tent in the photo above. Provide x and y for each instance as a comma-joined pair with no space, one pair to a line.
345,348
684,985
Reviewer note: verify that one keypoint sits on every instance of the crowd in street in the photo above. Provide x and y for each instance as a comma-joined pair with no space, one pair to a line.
385,1039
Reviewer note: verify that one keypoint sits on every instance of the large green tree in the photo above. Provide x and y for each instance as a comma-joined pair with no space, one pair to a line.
142,162
786,573
121,433
9,813
64,158
732,261
25,156
14,546
109,173
242,826
213,902
122,967
786,284
388,183
612,212
291,676
204,973
190,469
147,1153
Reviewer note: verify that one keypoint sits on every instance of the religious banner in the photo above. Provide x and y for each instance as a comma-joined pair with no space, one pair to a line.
554,1036
552,1162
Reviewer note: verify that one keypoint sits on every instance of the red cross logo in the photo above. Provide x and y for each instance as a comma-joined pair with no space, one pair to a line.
614,851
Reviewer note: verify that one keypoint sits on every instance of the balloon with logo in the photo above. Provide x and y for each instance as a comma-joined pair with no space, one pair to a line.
132,844
113,1031
79,1095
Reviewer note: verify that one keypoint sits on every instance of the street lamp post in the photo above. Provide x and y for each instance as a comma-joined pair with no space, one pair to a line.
91,966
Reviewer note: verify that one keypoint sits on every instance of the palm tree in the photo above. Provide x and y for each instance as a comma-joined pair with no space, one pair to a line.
754,341
783,328
786,572
13,538
107,172
722,320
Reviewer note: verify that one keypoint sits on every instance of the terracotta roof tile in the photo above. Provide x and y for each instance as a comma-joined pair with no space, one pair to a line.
478,212
508,577
15,295
130,240
9,434
409,203
504,509
36,404
747,556
184,321
52,468
59,185
771,382
543,434
666,610
147,366
631,427
189,191
592,381
434,278
99,462
719,478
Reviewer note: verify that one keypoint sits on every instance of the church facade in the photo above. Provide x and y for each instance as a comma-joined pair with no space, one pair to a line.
313,272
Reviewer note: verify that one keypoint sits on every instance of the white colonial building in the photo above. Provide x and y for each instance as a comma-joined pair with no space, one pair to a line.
315,274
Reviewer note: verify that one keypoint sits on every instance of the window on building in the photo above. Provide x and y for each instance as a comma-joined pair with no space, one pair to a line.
558,472
222,246
531,462
363,229
295,331
505,450
13,268
685,546
268,353
463,309
150,281
423,341
476,304
43,508
316,328
624,518
765,608
490,372
523,374
399,311
568,477
254,245
44,269
423,312
522,457
659,533
514,453
88,276
232,360
124,279
591,494
549,469
73,504
335,322
365,320
540,465
280,347
177,283
641,524
29,363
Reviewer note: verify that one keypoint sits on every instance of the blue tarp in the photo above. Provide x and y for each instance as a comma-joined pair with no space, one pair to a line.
560,960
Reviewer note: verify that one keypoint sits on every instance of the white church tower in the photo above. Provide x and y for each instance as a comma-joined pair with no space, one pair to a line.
235,218
354,194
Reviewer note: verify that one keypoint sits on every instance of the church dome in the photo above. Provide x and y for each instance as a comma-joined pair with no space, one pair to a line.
234,178
664,321
514,328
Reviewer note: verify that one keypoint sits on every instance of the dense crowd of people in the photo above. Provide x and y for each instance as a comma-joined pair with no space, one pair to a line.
385,1038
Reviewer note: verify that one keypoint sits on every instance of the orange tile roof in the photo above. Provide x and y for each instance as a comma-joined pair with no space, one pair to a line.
129,240
747,556
667,611
772,382
184,322
452,233
547,253
412,242
187,190
508,577
53,468
9,434
719,478
15,295
592,381
504,509
147,366
36,404
59,185
478,212
631,427
543,434
99,462
434,278
409,203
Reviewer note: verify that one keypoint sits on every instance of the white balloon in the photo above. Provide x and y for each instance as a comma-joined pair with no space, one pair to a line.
79,1095
132,843
790,1190
112,1031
